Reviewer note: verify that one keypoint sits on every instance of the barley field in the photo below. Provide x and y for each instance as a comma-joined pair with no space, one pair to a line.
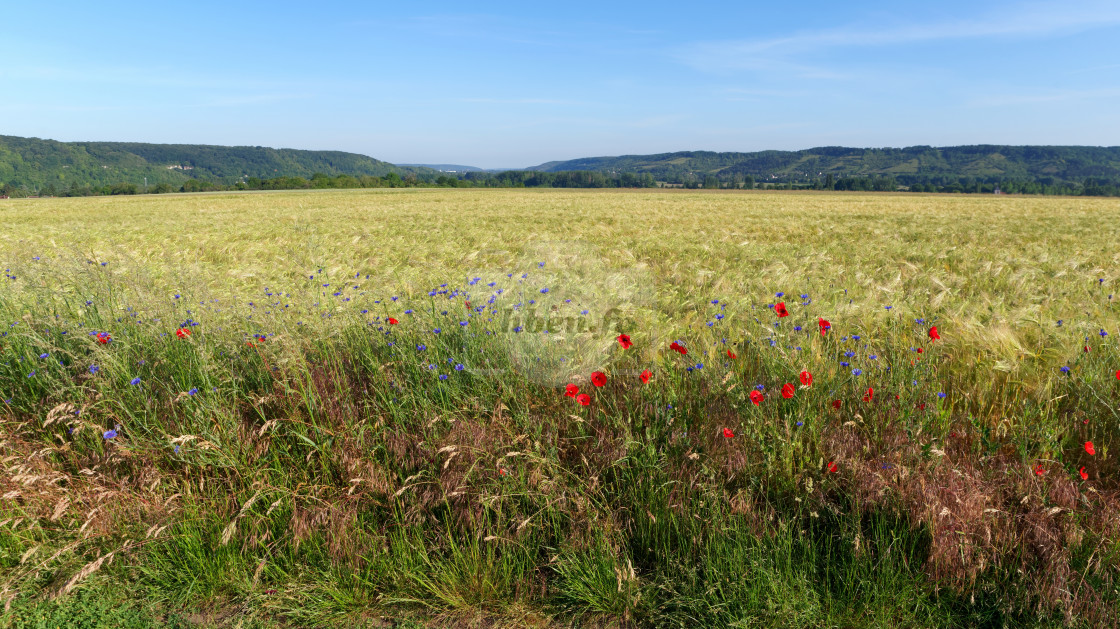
422,407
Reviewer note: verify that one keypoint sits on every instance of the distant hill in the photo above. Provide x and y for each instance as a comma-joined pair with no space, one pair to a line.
36,164
907,166
448,168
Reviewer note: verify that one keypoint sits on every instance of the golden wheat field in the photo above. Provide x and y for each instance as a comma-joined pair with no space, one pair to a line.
996,272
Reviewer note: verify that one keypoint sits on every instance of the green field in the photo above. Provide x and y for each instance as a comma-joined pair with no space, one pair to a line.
298,459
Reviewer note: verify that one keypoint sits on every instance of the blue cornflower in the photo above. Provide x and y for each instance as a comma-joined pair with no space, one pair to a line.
715,301
759,387
778,294
421,347
436,331
431,367
800,424
193,391
849,354
873,357
857,372
855,338
1103,333
458,366
464,322
699,365
176,449
31,374
135,381
109,434
1065,369
443,376
941,394
46,355
796,328
544,290
518,329
844,364
888,307
94,369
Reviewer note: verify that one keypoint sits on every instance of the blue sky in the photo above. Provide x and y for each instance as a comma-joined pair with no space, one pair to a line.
497,84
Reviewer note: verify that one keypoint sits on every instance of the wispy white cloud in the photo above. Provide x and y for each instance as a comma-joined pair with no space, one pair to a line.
781,54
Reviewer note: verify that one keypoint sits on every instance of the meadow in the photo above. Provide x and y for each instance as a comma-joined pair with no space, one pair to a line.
356,408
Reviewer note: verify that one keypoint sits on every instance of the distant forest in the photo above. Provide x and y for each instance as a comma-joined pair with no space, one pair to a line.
34,167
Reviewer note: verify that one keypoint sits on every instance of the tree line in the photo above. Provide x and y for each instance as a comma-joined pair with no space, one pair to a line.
582,179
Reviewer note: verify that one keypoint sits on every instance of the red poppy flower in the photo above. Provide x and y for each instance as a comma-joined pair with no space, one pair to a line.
392,321
922,406
780,309
732,356
806,378
584,399
182,333
787,390
502,471
921,351
1086,348
624,341
571,390
1039,470
870,395
1083,473
756,397
1118,374
105,337
832,469
598,378
645,376
727,433
824,325
836,404
677,347
1089,448
933,335
467,304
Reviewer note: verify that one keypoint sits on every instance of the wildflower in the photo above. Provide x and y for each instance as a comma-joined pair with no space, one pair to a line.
727,433
779,295
1103,333
135,381
109,434
677,347
571,390
443,376
920,351
1039,470
193,391
43,355
824,325
836,404
104,338
624,341
598,378
933,335
1065,369
780,309
806,378
731,355
584,399
1118,374
856,372
94,369
182,333
1086,349
1083,473
1089,448
756,397
941,394
644,376
787,390
870,395
832,469
459,366
888,307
